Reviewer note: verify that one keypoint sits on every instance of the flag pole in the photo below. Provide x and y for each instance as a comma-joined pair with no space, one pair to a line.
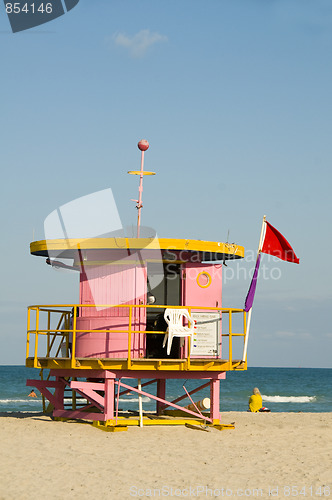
246,339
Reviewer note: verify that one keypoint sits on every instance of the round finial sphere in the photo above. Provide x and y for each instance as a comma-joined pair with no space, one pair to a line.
143,145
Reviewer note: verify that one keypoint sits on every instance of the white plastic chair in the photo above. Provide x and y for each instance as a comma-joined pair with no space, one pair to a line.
174,320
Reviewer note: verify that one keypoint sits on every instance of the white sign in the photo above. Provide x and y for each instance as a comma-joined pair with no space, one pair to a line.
206,339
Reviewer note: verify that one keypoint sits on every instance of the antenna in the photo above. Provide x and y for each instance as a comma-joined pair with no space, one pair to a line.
143,145
224,261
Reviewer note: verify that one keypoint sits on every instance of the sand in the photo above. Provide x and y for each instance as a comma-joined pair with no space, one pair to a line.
265,456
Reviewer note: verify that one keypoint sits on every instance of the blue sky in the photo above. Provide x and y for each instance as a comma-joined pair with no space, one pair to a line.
234,97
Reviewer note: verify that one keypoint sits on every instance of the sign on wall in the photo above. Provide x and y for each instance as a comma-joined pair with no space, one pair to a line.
207,339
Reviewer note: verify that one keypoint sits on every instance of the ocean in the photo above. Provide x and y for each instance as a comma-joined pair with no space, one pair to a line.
282,389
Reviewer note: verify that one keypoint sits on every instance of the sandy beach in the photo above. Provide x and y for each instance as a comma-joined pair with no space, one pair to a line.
265,456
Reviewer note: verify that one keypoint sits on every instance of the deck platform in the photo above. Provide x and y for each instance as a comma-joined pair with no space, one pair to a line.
150,364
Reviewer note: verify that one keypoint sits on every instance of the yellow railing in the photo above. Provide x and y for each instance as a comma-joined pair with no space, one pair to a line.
68,317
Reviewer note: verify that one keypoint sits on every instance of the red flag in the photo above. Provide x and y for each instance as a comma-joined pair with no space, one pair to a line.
276,244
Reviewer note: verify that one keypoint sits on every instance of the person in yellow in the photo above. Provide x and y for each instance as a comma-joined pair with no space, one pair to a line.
255,401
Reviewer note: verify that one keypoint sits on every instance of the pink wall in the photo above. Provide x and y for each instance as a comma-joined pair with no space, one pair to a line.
123,283
192,293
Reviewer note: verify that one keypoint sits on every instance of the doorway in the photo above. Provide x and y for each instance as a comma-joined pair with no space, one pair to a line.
167,292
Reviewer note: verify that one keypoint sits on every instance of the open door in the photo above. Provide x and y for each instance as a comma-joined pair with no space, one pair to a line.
166,293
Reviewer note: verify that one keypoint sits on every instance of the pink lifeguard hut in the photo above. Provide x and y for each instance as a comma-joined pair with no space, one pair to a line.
149,309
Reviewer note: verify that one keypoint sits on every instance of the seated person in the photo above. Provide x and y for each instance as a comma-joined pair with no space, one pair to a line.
255,401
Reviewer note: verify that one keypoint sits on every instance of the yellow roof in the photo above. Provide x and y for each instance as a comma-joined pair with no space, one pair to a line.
67,247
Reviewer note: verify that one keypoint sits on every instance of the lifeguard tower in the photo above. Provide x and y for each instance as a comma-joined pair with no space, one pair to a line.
150,308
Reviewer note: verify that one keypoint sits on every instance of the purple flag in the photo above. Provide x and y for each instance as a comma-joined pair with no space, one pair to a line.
252,288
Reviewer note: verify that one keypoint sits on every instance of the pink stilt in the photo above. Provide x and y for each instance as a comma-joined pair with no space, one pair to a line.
109,399
161,393
117,401
215,401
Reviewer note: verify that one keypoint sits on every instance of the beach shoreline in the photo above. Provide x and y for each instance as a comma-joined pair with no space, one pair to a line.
262,457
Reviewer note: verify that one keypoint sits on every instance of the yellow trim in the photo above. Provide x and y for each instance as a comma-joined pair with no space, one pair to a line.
55,361
137,365
204,273
230,343
109,428
124,422
138,172
180,413
73,361
221,427
129,338
42,247
126,262
55,307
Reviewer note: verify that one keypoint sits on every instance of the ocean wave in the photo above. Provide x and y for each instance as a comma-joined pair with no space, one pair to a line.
145,399
15,412
9,401
288,399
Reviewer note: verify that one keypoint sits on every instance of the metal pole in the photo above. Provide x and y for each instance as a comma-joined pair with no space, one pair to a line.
140,194
261,239
140,405
143,145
